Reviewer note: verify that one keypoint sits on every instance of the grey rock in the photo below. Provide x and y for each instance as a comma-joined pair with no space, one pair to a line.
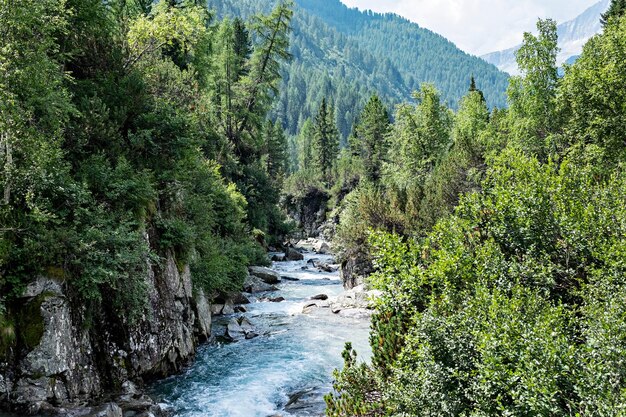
162,410
42,285
216,309
255,285
279,257
354,270
323,248
287,278
106,410
293,255
356,313
239,329
129,388
238,298
61,369
277,299
203,315
309,308
320,297
356,299
229,308
265,274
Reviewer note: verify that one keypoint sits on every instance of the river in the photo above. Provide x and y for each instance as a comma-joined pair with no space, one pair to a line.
283,372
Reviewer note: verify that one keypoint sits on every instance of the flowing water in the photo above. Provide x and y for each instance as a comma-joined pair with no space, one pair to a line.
283,372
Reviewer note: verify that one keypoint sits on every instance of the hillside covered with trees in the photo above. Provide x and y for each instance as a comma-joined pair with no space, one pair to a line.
344,55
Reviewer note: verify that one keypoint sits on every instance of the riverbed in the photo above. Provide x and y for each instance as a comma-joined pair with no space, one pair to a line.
287,369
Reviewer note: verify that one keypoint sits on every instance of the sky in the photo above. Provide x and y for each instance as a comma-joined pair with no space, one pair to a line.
479,26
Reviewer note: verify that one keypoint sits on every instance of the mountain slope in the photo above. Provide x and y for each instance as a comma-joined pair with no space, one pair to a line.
572,36
347,55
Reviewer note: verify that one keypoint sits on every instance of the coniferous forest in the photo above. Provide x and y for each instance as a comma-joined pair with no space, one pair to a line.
149,142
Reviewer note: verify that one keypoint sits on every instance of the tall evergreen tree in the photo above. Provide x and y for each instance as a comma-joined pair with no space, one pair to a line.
304,144
326,142
369,141
616,10
476,89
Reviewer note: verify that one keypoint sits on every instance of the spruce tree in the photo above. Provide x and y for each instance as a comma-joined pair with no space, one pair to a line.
474,88
369,140
326,142
616,10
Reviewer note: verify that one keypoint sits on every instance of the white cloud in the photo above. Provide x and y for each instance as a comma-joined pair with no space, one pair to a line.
478,26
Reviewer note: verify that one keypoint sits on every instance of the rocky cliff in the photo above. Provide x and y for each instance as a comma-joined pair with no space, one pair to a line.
61,360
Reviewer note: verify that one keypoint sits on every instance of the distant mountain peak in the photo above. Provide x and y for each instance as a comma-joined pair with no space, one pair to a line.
573,34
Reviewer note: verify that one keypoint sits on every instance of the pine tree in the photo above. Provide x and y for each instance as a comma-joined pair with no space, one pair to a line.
616,10
474,88
326,142
276,150
369,140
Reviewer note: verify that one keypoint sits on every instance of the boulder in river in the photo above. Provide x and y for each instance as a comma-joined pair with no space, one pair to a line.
357,298
239,329
254,284
279,257
293,255
277,299
320,297
309,308
287,278
265,274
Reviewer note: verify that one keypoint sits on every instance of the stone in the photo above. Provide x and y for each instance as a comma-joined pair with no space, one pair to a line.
238,298
58,364
279,257
322,248
320,297
162,410
293,255
216,309
287,278
106,410
354,270
42,285
129,388
229,308
265,274
240,309
239,329
277,299
203,315
309,308
254,285
356,299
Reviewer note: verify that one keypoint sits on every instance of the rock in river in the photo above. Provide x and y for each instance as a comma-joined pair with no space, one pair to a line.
239,329
254,285
265,274
293,255
320,297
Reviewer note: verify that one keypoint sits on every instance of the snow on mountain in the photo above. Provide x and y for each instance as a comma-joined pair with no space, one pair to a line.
572,36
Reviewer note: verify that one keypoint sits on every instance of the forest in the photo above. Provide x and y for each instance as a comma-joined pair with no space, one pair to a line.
133,132
498,241
342,55
131,129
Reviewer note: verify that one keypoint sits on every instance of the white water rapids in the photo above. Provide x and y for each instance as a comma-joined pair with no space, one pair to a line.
283,372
